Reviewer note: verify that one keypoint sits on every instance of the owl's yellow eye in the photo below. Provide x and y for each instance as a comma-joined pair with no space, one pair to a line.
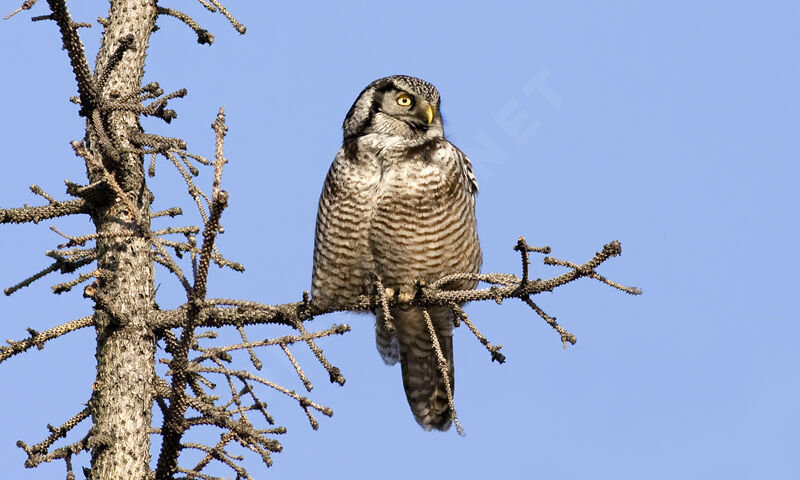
404,100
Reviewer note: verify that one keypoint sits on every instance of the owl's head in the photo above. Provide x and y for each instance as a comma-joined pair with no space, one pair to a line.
396,105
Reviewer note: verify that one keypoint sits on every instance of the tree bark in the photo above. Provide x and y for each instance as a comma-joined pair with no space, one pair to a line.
122,402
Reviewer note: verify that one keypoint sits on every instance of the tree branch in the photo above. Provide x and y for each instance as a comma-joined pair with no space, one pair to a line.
37,214
510,286
173,425
38,339
77,57
236,24
26,5
203,35
39,453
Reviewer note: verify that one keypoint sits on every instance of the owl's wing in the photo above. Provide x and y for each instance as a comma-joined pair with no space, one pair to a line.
467,167
341,256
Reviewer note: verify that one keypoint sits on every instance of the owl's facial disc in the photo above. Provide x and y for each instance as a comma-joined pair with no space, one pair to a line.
409,108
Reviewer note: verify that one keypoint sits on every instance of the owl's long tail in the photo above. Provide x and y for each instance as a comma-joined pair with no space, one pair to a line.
411,344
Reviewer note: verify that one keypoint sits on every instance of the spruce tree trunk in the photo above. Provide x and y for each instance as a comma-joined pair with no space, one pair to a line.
121,406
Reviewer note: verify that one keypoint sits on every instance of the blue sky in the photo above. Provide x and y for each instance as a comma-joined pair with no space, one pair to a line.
671,127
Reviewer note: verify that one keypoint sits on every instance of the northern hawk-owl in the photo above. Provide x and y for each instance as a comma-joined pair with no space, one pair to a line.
398,204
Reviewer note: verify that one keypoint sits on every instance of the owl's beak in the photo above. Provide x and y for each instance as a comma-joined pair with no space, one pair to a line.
429,111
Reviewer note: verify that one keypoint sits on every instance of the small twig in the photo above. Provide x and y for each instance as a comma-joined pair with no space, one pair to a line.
624,288
208,6
171,212
224,439
218,203
222,456
164,259
36,276
67,286
297,368
238,26
72,254
334,372
125,44
36,189
285,340
81,240
159,143
244,375
198,158
388,321
203,36
443,369
190,230
38,339
58,432
38,454
565,335
26,5
194,192
64,266
253,358
494,350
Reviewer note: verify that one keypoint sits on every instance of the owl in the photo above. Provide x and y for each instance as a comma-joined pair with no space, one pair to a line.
398,205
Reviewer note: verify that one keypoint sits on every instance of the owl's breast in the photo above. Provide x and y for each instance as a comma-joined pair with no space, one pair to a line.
342,257
423,214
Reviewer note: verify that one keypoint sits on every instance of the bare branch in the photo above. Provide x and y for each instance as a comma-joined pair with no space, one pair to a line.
38,453
77,57
254,313
38,339
173,426
61,264
219,202
171,212
38,191
245,375
334,373
208,6
34,458
443,369
494,350
297,368
388,321
566,337
518,290
237,313
26,5
285,340
253,358
203,36
125,44
592,274
224,439
220,455
238,26
194,192
190,230
163,258
67,286
37,214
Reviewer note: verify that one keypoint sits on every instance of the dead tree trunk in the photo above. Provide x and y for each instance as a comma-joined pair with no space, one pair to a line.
122,404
